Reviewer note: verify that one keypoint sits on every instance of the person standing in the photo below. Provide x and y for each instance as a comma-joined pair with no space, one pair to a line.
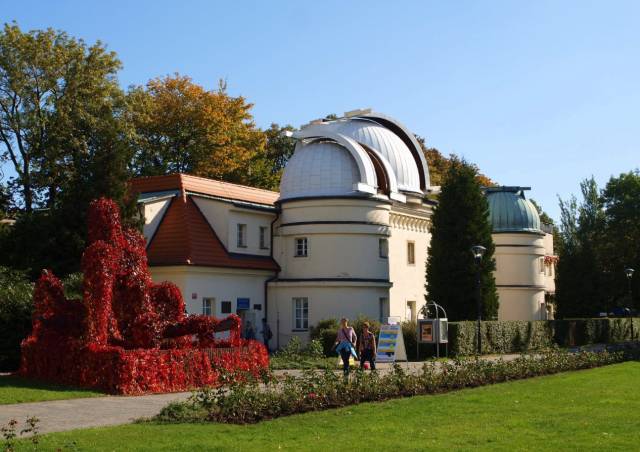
266,333
345,344
367,347
249,332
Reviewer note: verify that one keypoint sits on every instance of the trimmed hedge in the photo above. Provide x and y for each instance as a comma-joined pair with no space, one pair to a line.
518,336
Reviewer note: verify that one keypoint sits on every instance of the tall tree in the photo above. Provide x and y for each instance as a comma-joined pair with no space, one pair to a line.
621,247
54,93
182,127
461,220
266,168
62,127
581,287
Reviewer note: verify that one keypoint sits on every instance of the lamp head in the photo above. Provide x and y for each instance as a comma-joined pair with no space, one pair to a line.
478,251
629,272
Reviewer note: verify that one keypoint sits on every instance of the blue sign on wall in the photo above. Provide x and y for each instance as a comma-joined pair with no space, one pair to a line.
243,303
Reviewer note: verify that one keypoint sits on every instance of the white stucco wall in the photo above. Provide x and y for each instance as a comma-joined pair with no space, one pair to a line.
221,284
408,290
326,300
153,213
520,275
224,218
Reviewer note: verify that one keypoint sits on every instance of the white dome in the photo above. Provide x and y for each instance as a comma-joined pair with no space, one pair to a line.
321,168
388,144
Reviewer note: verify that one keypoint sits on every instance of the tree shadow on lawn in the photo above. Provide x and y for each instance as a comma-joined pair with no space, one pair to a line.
16,389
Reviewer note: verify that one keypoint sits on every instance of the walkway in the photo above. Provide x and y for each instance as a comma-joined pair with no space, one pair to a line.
60,415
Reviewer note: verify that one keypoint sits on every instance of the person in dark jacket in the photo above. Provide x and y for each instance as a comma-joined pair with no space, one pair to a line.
367,347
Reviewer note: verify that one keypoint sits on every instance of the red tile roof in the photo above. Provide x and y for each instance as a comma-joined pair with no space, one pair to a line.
184,237
204,186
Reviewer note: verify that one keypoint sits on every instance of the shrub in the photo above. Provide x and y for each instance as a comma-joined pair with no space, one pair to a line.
16,307
295,349
249,401
325,332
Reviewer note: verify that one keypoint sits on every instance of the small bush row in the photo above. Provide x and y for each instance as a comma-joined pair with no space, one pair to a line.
250,402
521,336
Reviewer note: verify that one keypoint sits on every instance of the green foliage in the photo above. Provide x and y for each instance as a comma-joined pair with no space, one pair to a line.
522,336
73,286
461,220
267,167
295,349
599,238
16,306
249,401
63,130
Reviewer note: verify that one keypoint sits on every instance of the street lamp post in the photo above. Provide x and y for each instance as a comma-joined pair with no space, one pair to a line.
629,273
478,251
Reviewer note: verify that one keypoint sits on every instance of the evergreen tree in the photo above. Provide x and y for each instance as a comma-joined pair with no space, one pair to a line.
461,220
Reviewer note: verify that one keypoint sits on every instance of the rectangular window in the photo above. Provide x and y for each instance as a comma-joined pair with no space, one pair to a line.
411,253
301,313
384,309
301,247
208,306
542,265
264,238
242,235
383,248
225,307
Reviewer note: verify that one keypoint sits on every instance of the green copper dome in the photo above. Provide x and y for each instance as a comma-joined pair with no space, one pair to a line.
510,211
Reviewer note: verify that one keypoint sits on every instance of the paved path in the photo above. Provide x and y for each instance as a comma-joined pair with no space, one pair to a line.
60,415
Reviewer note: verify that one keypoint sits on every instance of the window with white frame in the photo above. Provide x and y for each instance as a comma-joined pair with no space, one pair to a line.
264,238
301,313
242,235
302,248
208,306
411,253
383,248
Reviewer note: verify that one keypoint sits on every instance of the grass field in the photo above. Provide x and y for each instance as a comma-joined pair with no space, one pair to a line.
586,410
19,390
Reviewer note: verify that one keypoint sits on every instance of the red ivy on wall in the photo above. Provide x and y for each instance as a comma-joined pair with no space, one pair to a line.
128,335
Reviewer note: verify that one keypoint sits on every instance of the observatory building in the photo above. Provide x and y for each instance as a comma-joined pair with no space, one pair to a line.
347,234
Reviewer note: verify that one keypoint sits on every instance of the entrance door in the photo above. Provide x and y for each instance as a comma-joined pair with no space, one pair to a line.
247,318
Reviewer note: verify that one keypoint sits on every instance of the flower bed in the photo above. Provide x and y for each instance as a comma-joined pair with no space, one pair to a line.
250,402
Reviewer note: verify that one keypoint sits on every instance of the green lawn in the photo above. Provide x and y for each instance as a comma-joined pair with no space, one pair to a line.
594,409
18,390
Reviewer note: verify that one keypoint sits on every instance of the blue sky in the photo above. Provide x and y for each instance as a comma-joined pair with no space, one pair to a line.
540,93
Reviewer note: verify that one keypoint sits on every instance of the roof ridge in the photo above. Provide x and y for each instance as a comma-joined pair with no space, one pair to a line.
183,176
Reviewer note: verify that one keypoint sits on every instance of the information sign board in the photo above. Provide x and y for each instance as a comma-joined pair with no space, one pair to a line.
391,344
